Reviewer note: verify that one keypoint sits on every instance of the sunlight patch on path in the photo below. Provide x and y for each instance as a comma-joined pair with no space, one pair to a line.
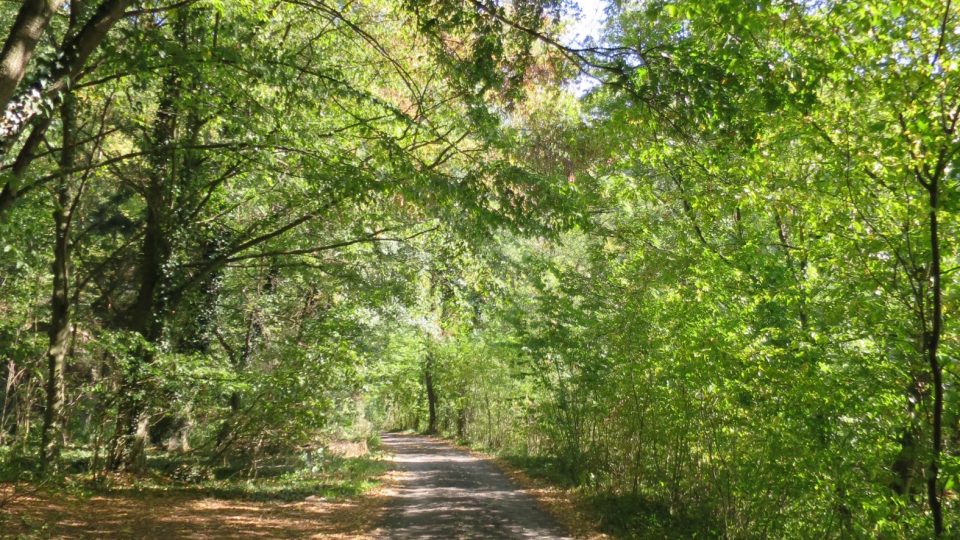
445,492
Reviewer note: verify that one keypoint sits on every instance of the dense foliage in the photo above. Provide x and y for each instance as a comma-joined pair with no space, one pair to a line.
702,267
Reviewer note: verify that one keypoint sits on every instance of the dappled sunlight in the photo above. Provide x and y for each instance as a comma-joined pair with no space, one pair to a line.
670,269
431,459
448,493
195,516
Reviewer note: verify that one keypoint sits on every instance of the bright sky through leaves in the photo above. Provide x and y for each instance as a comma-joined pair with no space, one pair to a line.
585,25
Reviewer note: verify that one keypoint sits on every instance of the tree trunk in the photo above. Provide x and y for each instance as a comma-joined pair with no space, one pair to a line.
52,435
20,111
462,423
431,396
11,190
239,362
60,72
147,316
905,464
8,410
932,345
130,437
128,452
32,20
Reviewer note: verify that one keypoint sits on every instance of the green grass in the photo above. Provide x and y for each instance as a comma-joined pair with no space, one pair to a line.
337,479
282,478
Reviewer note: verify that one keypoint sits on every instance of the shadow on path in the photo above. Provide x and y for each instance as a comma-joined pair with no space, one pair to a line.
445,492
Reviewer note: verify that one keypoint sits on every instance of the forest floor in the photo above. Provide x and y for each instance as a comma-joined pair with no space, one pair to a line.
433,489
346,502
188,516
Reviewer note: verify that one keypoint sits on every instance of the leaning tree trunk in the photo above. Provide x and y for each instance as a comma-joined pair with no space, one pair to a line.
24,109
32,20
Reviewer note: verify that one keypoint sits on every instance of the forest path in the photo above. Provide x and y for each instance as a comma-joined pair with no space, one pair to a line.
445,492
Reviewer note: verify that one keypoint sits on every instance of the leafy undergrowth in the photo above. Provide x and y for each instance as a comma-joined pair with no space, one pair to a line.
618,515
634,516
294,497
591,514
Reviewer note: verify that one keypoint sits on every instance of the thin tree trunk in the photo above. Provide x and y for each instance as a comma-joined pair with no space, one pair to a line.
431,396
8,408
933,344
11,190
462,423
239,362
59,332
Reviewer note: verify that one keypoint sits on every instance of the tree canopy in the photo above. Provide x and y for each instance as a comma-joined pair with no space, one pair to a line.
701,266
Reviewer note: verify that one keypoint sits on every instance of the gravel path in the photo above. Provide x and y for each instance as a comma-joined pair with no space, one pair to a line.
445,492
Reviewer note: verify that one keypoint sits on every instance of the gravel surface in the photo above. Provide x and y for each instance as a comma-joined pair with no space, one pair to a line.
445,492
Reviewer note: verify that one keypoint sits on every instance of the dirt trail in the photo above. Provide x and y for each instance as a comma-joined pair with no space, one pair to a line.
444,492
